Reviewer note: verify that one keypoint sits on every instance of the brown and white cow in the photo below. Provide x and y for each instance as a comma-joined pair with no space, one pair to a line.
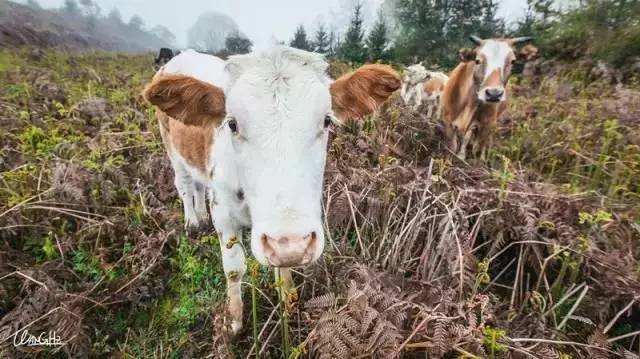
432,92
476,93
251,134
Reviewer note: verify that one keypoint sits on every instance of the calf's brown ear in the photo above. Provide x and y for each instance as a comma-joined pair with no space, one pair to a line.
467,54
360,92
527,53
186,99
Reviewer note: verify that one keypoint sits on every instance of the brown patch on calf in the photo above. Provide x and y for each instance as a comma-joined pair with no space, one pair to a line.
186,99
193,143
359,93
432,86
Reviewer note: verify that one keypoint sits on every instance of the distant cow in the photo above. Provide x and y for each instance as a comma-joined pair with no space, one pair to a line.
411,91
420,86
163,57
476,93
432,92
250,133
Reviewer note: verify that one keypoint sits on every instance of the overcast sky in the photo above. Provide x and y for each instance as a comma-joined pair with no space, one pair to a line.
262,20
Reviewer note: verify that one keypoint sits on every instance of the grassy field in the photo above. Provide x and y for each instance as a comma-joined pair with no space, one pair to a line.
534,253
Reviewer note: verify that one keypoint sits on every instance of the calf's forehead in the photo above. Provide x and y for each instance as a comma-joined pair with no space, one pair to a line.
496,52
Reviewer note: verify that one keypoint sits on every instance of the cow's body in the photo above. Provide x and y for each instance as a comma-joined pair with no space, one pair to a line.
432,92
251,132
476,93
420,86
465,117
190,148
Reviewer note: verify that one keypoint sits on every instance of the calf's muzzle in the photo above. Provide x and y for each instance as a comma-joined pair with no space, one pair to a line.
289,250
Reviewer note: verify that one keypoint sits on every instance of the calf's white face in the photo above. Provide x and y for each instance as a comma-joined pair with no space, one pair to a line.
279,111
274,115
494,59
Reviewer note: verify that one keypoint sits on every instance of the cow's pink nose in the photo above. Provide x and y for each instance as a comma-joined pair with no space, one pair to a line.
289,250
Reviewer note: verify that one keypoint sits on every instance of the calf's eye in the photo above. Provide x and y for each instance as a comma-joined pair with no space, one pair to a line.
233,126
327,121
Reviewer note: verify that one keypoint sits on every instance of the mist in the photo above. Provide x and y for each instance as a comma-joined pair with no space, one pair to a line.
264,22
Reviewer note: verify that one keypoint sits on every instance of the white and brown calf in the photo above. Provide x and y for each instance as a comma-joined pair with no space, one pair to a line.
476,94
251,132
432,92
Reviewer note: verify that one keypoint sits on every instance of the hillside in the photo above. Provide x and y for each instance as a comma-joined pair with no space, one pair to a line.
532,254
22,25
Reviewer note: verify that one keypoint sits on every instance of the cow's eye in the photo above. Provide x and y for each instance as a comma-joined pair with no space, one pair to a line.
233,125
478,61
513,61
327,121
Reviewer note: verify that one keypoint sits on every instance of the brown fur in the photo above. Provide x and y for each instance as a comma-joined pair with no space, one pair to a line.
186,99
433,85
188,112
358,93
193,143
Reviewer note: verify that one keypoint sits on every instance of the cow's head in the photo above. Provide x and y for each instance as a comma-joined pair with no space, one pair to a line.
279,108
493,60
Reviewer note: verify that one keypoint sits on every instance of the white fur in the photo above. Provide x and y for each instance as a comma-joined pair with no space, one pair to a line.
496,54
279,99
412,90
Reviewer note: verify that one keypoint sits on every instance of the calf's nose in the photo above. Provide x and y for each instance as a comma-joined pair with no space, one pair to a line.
289,250
494,94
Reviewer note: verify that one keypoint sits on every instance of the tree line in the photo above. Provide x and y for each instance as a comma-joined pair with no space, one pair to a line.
432,31
412,29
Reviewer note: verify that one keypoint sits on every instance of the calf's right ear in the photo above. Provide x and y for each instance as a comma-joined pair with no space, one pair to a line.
186,99
360,92
467,55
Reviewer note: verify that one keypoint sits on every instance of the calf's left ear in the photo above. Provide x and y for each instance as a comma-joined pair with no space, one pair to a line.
186,99
527,53
360,92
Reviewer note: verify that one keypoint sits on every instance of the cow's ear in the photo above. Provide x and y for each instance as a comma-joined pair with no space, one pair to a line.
527,53
186,99
359,93
467,54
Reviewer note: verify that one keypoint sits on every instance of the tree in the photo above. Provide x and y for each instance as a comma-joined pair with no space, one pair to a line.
115,17
321,40
71,8
300,41
164,34
33,4
492,25
136,22
210,32
377,41
352,49
334,44
237,44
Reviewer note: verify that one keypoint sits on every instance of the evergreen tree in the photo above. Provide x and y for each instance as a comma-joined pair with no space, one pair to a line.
136,22
115,17
300,41
321,40
71,7
237,44
334,44
352,49
33,4
377,41
492,25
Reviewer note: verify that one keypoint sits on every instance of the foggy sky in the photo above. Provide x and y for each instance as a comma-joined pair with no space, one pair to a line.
263,21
